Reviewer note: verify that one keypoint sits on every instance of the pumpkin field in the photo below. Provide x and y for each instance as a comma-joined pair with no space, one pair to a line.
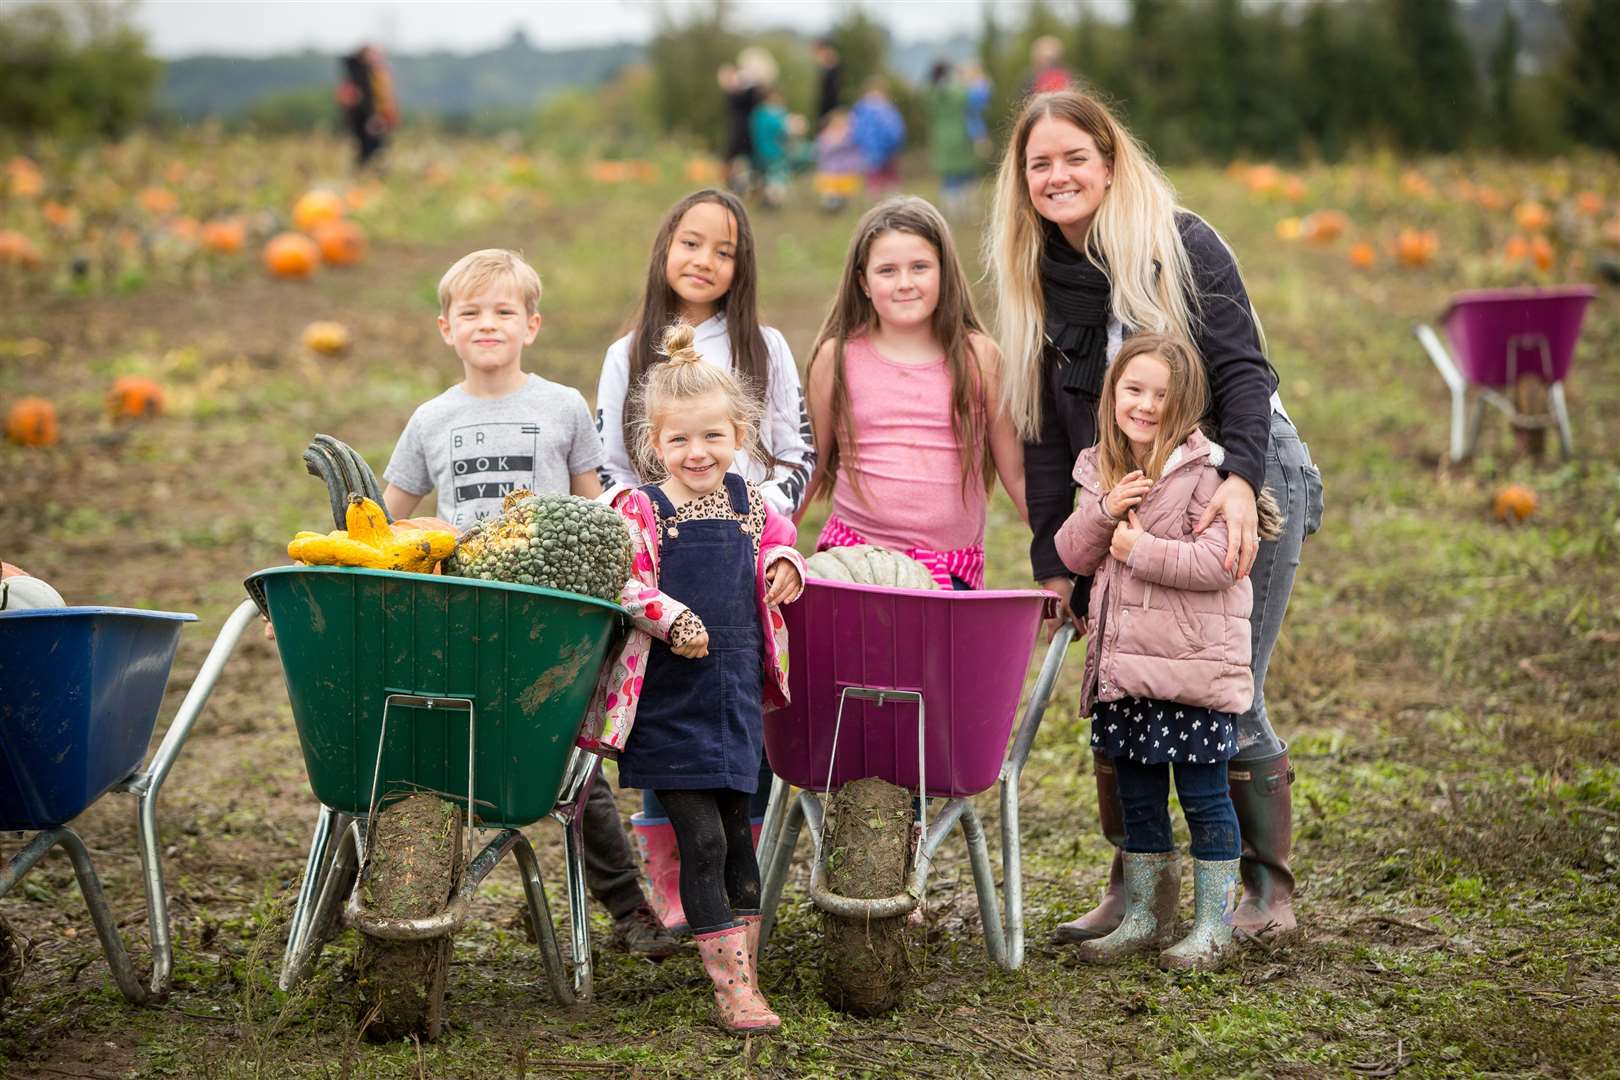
179,316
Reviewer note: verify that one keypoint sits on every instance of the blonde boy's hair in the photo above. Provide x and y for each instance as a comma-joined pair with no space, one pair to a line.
473,272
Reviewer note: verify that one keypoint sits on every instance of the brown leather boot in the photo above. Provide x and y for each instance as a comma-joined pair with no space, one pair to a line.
1105,917
1262,796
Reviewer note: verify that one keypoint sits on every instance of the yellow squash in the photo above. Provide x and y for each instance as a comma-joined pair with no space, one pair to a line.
370,541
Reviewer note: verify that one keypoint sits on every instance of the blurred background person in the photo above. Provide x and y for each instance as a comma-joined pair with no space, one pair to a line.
366,96
830,84
839,162
880,132
950,146
1046,61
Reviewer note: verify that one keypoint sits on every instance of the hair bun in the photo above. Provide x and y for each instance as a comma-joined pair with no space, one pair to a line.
678,341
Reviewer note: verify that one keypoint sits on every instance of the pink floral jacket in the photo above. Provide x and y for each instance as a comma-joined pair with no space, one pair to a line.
612,712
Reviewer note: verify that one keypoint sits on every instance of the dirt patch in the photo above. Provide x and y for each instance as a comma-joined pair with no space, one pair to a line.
556,678
864,968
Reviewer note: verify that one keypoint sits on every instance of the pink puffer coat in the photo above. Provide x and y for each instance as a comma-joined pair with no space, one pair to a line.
1171,623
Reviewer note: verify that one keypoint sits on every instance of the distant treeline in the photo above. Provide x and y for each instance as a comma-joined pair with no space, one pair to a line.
1209,79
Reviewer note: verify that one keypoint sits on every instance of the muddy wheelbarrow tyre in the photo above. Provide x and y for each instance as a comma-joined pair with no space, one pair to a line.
867,844
415,862
11,961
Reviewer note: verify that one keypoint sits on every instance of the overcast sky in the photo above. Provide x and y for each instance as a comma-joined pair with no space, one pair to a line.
257,27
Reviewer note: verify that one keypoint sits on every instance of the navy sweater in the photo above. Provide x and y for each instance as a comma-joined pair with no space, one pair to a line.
1241,384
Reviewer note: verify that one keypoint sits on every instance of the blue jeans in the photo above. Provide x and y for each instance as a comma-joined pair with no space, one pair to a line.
1297,485
1144,792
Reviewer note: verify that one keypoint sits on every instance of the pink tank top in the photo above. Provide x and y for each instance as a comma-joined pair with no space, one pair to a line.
910,492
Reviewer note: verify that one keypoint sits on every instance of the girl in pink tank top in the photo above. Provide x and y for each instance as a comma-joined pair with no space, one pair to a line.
904,400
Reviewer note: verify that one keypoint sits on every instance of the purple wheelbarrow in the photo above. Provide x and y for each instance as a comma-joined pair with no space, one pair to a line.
919,689
1498,338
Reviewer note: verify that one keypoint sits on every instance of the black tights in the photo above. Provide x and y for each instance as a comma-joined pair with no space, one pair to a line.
719,875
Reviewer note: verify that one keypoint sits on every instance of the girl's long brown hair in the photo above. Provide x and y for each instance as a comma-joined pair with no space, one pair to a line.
1184,407
660,306
953,323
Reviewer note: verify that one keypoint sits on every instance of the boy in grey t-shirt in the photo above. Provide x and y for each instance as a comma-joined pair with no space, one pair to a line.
498,429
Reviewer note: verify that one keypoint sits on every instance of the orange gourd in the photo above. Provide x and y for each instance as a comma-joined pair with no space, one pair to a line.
1416,247
292,255
1325,226
156,200
32,422
1531,216
135,396
315,207
17,250
224,236
1362,256
1514,503
342,243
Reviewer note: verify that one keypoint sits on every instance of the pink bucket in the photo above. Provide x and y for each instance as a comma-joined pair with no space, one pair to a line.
966,652
1497,331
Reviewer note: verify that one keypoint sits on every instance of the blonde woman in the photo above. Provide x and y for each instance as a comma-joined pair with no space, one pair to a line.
1087,244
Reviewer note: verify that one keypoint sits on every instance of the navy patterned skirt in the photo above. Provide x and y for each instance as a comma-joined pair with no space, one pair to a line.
1156,732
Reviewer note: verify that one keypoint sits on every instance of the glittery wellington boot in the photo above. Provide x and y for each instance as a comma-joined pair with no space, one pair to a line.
1262,795
739,1006
1152,888
655,839
1214,899
1103,918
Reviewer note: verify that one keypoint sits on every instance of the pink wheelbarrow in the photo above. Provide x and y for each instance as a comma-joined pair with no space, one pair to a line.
1498,338
919,689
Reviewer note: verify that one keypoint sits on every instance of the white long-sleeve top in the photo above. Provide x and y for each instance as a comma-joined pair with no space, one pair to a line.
785,432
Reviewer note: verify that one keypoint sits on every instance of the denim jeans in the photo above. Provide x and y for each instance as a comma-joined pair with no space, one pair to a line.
1144,792
1297,485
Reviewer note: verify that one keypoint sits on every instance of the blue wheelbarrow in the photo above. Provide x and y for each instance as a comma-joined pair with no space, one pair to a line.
80,689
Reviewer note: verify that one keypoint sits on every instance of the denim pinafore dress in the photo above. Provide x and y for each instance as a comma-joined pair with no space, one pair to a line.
700,723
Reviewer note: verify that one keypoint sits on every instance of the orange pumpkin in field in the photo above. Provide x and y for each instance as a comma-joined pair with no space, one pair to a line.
1416,247
342,243
224,236
314,207
1362,256
17,250
292,255
1325,226
32,422
1514,503
135,396
1531,216
1589,203
156,200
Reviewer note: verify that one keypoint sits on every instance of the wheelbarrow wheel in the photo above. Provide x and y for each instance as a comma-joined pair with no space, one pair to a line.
867,847
11,961
414,864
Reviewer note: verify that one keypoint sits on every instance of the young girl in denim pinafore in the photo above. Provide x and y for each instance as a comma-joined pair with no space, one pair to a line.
713,560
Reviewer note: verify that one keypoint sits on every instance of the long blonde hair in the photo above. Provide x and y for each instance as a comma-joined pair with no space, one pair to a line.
1133,237
953,324
682,378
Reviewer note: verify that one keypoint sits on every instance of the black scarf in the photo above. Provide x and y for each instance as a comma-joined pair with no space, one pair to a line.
1076,296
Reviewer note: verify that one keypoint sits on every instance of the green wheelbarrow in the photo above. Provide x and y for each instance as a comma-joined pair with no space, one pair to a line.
473,691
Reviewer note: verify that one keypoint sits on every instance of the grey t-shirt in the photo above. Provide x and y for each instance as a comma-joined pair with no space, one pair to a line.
474,450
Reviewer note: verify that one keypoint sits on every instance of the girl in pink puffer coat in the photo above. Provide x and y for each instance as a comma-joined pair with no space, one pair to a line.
1167,657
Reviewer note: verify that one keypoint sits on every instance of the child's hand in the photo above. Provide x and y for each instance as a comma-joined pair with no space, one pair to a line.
695,649
1126,494
786,585
1126,534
